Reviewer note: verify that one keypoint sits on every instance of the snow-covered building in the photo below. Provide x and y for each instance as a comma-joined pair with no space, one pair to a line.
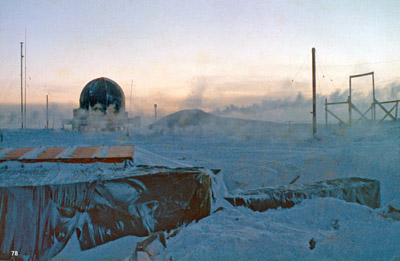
101,107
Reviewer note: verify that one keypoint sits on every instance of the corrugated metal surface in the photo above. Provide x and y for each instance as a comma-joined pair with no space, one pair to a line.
75,154
16,153
50,153
119,151
84,152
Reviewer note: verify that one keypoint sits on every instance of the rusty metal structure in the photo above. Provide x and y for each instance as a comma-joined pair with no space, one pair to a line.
75,154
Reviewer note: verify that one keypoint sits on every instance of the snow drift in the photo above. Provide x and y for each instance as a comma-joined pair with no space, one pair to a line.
357,190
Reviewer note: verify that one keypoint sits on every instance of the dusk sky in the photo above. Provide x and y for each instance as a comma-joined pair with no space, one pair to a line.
184,54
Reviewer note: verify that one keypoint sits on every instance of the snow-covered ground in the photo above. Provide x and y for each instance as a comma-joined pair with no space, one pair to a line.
252,155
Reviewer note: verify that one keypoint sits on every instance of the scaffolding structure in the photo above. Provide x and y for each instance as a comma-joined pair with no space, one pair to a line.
363,115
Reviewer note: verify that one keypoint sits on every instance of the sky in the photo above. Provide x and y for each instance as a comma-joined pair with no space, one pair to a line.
196,54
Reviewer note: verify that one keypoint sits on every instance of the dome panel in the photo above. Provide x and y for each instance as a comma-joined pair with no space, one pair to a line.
100,94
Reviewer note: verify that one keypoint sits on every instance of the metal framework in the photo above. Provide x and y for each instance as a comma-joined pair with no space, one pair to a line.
363,115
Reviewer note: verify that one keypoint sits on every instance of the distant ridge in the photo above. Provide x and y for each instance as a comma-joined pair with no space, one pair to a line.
198,120
186,118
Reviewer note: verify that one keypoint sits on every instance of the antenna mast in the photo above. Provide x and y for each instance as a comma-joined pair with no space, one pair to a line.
25,84
22,91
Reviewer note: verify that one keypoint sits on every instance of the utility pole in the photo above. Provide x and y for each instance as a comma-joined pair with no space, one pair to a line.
326,112
155,112
373,93
22,90
47,111
314,93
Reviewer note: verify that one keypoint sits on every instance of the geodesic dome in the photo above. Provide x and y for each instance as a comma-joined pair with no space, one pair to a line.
100,94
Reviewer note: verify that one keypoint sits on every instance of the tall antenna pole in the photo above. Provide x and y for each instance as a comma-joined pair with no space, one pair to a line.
47,111
22,91
130,97
25,84
314,93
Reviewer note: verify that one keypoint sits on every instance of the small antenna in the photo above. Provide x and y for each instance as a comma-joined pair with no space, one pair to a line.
47,111
155,112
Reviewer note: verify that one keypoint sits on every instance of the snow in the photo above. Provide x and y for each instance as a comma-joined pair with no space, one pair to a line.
113,250
20,174
252,155
342,231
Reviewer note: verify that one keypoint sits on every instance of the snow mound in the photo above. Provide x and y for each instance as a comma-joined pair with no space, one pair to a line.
339,231
186,118
199,121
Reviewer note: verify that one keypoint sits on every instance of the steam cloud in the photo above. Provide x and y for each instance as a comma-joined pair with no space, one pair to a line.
10,116
299,108
295,109
196,96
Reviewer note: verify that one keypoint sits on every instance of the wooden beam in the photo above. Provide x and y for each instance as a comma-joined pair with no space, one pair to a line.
357,110
363,115
392,101
336,103
384,109
361,75
340,120
388,114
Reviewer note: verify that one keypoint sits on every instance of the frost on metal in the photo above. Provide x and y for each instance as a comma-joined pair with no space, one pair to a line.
358,190
37,221
74,154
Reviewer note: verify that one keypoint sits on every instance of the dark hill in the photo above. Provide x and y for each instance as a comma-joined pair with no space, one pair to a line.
186,118
198,120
